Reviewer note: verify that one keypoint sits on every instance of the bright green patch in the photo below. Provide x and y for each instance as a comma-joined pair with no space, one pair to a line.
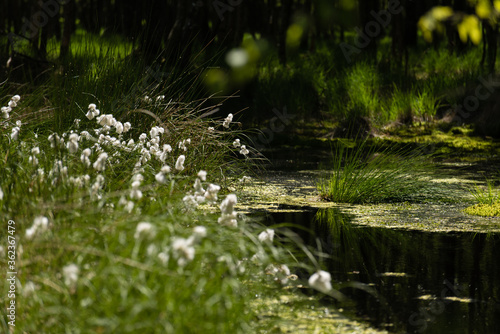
485,210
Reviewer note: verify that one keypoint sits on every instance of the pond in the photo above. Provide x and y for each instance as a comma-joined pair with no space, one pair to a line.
414,281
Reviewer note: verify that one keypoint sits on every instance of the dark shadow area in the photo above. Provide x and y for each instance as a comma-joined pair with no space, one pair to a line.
422,282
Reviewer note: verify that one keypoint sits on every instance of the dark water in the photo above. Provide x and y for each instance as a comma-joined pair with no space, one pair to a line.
421,282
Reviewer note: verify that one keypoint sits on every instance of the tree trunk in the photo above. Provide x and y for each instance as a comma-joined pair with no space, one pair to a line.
492,37
286,10
365,8
69,14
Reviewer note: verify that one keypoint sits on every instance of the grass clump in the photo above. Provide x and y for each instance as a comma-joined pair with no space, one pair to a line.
488,200
363,174
485,195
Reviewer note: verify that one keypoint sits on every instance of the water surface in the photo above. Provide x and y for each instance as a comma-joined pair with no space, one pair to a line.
417,282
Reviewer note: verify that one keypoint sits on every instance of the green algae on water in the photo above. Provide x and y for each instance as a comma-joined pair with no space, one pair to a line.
484,210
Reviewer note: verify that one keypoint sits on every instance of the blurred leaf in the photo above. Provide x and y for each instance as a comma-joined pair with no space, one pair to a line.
348,4
427,25
483,9
294,35
432,21
441,13
470,28
216,79
496,4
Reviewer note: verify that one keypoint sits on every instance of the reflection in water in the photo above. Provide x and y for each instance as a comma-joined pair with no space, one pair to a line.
424,282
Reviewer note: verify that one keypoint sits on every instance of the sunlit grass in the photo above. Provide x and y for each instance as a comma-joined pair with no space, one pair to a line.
380,91
485,195
119,230
361,174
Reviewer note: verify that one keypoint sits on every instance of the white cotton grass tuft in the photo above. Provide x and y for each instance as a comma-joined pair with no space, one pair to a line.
227,121
183,144
198,188
162,156
12,104
267,235
144,230
70,275
100,163
156,131
211,193
202,175
135,192
119,127
281,272
40,225
321,281
126,126
163,257
179,165
126,204
199,232
5,112
97,185
190,202
228,215
72,144
56,141
183,251
92,112
84,157
33,159
244,150
161,177
106,120
15,133
245,179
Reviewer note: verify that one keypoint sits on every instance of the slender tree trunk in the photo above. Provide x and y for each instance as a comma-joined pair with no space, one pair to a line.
69,14
365,8
286,10
177,40
492,36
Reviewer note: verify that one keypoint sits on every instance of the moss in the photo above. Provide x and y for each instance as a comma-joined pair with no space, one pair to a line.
291,312
485,210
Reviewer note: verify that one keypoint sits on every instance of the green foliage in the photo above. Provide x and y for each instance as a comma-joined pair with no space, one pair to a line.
362,174
116,246
322,81
362,83
485,195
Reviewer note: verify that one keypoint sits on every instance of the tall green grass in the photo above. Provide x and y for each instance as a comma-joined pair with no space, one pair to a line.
117,248
361,173
378,90
485,195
